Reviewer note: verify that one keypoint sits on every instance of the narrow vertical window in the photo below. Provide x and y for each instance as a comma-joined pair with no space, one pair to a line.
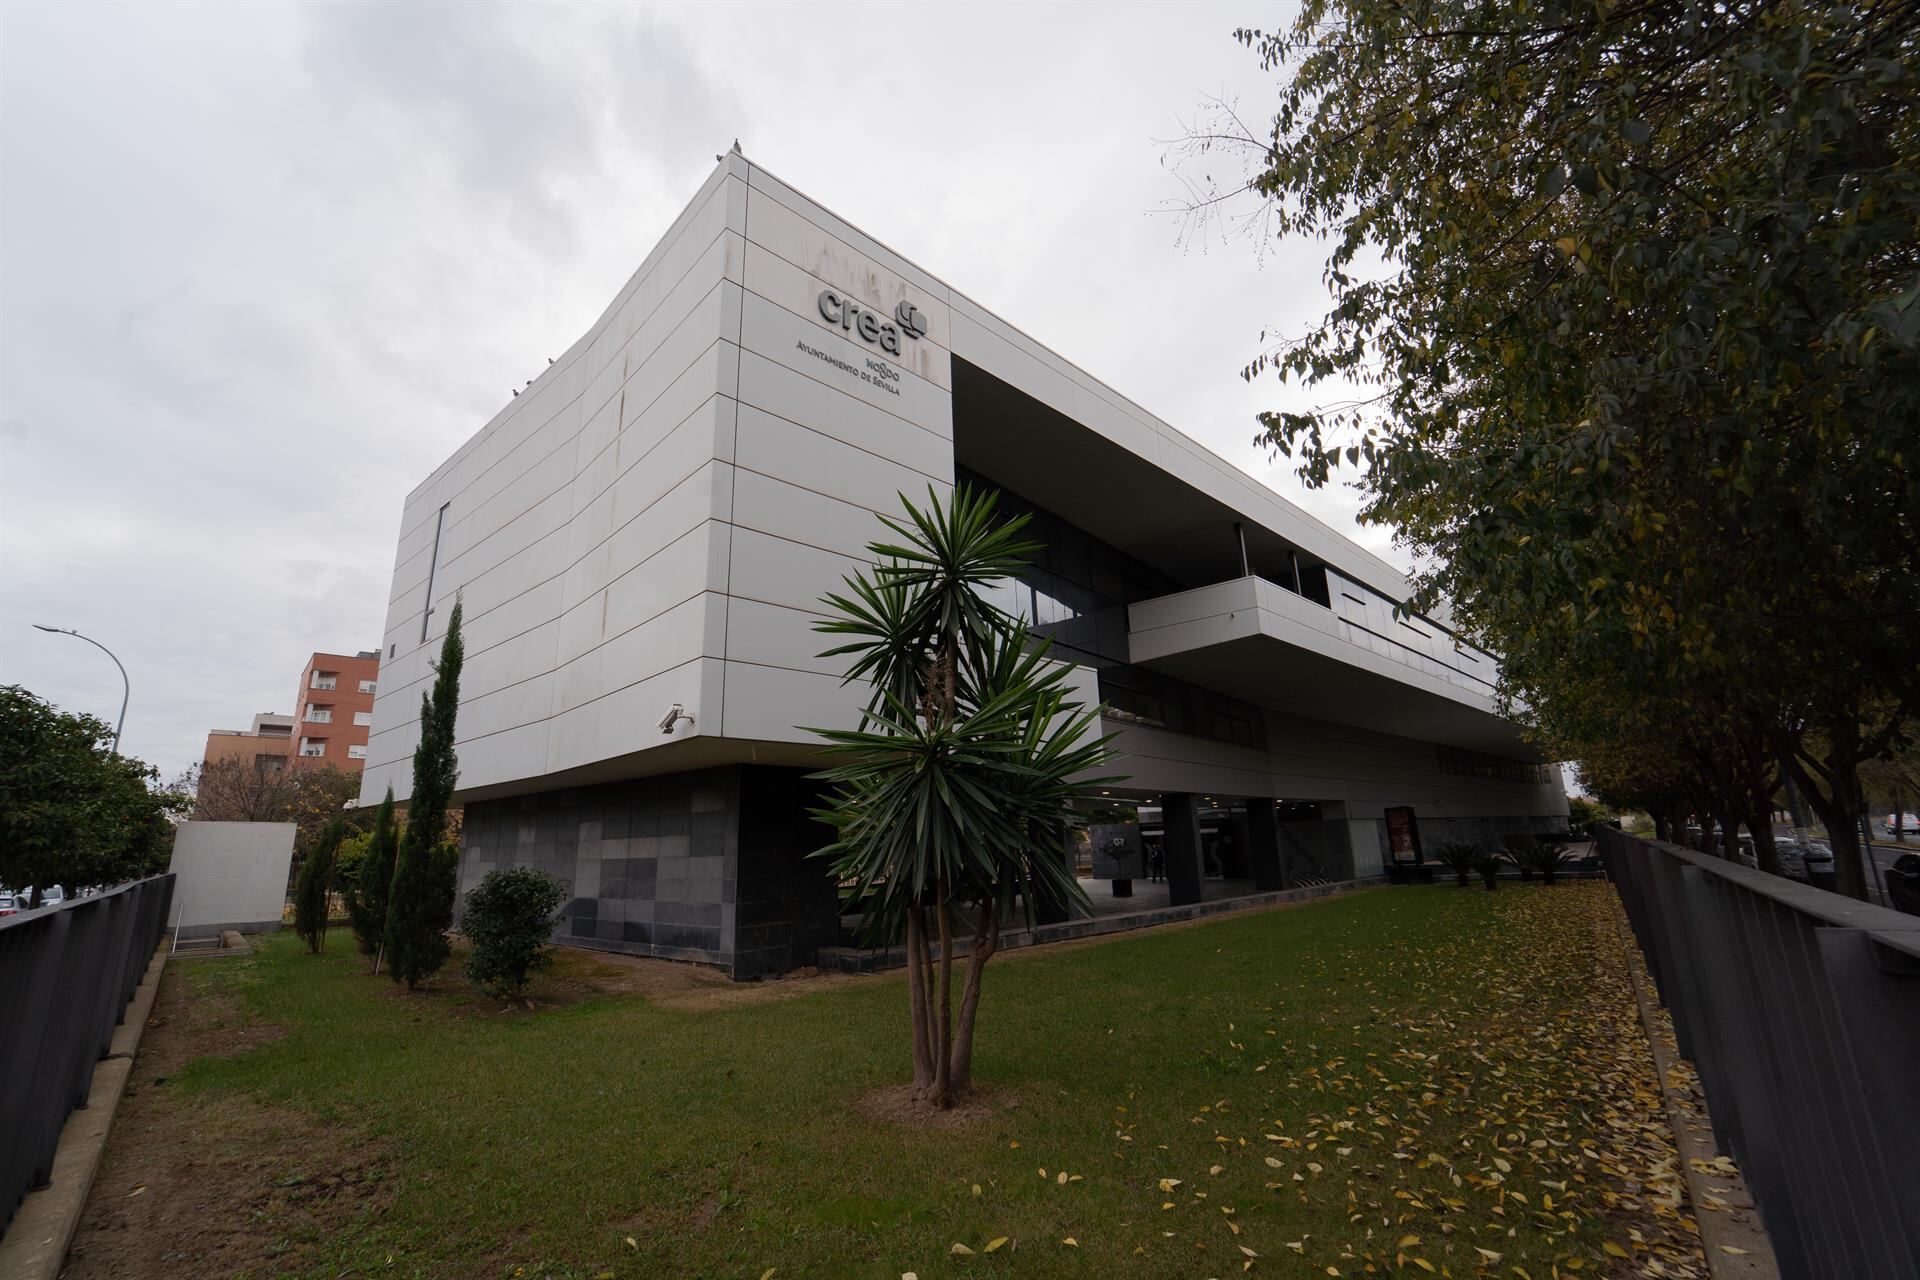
433,570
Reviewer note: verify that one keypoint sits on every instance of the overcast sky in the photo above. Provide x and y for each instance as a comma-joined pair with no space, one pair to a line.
262,268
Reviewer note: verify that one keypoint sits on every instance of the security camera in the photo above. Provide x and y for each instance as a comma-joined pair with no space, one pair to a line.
674,717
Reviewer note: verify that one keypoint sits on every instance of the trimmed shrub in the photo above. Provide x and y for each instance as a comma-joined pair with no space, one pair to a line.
1519,846
1459,858
1487,863
508,918
1543,854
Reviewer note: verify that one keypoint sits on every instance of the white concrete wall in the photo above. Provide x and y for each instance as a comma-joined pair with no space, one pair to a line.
655,520
232,875
586,533
819,449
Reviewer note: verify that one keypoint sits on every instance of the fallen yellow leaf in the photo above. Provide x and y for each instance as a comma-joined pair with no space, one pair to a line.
960,1251
995,1243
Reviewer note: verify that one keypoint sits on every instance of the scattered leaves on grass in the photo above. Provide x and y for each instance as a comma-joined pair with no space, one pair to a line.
1513,1113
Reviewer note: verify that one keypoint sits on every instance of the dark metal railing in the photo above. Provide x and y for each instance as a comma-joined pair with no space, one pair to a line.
1801,1010
66,975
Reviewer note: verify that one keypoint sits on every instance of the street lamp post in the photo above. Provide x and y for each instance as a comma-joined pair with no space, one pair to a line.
126,686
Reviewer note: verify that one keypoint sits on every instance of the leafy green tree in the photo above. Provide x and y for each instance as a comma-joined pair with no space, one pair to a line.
314,890
72,811
347,860
1584,812
425,877
508,918
1627,292
971,766
371,884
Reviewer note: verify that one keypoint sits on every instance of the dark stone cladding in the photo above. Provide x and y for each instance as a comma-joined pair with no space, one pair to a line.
709,866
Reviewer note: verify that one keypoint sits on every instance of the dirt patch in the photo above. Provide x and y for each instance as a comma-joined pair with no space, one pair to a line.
199,1185
188,1023
676,984
895,1104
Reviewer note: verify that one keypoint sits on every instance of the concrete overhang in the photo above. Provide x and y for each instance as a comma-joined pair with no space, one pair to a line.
1263,644
1136,484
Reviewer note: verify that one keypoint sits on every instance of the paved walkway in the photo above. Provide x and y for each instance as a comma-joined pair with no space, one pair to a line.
1110,915
1149,895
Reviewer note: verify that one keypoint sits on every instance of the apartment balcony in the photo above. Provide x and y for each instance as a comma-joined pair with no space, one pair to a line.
1352,664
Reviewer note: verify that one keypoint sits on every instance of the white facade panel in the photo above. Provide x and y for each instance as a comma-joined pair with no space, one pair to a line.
801,456
778,390
772,635
780,571
618,437
779,704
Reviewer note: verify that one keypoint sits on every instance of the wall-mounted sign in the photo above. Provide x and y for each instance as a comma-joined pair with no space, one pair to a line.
854,318
1403,834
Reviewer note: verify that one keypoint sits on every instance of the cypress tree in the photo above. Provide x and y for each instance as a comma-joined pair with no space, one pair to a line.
367,900
315,882
420,907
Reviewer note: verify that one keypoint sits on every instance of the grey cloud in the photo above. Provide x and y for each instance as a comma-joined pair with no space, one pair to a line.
262,267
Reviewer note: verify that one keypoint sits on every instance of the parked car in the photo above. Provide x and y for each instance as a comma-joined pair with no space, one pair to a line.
1802,860
9,905
1903,883
1903,821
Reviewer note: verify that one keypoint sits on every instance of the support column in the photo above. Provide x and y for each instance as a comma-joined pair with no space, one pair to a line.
1180,817
1263,849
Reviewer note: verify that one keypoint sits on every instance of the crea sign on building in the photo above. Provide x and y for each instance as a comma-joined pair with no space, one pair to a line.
854,318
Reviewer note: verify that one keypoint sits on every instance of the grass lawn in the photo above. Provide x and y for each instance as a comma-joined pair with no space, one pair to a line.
1418,1080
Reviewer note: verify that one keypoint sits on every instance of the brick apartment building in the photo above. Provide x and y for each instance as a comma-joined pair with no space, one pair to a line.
333,710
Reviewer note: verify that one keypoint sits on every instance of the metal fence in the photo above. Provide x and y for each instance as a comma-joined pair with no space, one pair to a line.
66,974
1801,1010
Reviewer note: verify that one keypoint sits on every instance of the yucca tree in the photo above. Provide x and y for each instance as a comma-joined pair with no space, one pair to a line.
970,766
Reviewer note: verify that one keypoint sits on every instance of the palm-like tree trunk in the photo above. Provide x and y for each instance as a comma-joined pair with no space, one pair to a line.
986,940
943,1064
917,1004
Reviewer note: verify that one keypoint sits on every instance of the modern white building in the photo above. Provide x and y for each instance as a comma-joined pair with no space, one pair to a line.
652,522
